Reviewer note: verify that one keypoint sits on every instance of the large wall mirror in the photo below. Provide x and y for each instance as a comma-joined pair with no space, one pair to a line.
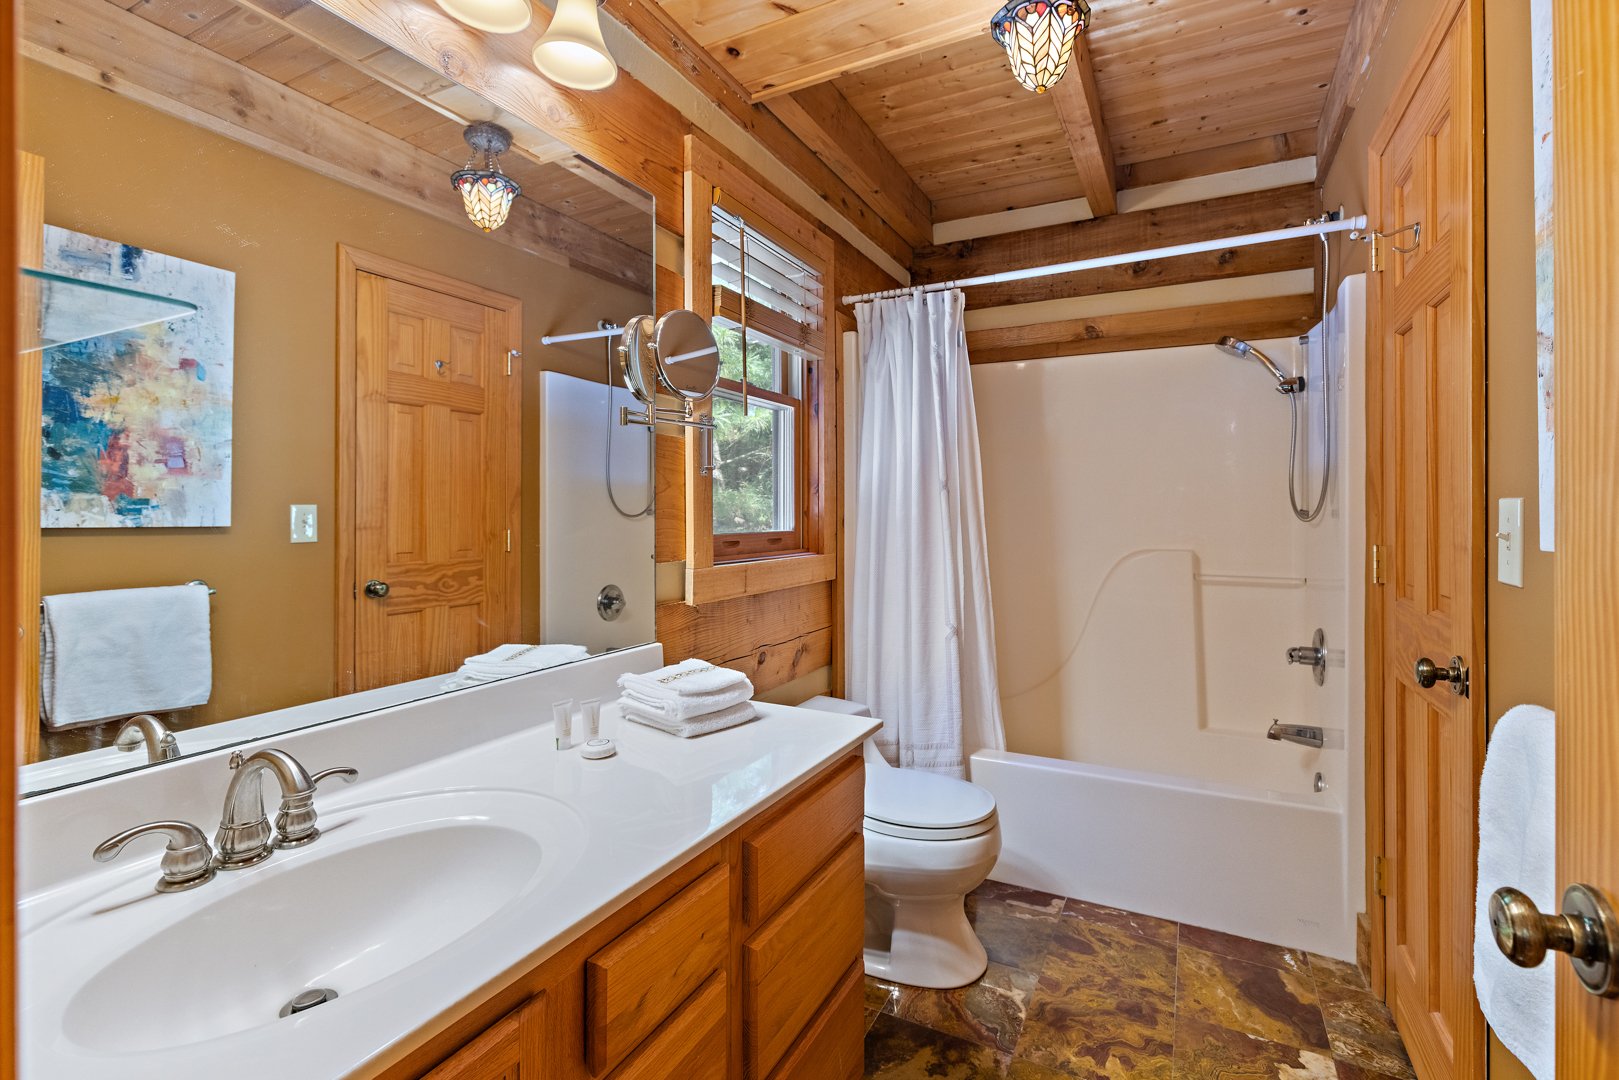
285,359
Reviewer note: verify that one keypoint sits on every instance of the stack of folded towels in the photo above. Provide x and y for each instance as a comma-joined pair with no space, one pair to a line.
690,698
508,660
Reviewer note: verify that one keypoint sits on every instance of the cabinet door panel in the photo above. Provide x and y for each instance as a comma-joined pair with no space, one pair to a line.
508,1050
780,857
792,965
691,1046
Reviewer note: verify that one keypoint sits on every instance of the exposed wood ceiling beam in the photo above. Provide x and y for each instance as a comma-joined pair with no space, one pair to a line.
820,43
1233,215
1253,320
1267,150
1079,108
849,194
824,120
1366,26
341,40
123,53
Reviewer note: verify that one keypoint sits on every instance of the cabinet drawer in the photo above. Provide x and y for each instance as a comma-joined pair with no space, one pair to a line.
791,966
834,1048
779,857
691,1046
636,983
510,1049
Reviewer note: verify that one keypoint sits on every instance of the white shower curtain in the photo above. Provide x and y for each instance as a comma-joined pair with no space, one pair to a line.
921,633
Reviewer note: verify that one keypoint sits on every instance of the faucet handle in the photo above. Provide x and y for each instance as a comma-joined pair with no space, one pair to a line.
188,861
295,821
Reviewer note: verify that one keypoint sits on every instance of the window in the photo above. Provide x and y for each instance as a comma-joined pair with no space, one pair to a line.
761,417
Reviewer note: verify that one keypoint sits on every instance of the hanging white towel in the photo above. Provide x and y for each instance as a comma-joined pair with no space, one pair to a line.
117,652
700,725
1517,838
504,661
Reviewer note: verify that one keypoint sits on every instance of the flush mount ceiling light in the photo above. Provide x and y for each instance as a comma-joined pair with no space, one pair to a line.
495,16
487,193
1038,36
572,51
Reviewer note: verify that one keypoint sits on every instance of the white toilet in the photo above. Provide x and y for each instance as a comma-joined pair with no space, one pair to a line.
930,840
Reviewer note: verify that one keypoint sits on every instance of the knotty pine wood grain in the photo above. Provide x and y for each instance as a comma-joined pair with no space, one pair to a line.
12,520
1587,333
1233,215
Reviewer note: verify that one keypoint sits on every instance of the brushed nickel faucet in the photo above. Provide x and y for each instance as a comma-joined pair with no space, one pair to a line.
187,860
1303,734
149,731
244,837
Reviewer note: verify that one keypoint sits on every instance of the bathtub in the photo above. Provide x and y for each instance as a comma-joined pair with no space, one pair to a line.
1261,863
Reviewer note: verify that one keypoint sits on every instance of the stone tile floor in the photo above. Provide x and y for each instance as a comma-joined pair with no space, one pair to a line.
1078,990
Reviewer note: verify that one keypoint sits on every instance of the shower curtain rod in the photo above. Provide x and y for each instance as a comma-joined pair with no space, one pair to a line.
1354,224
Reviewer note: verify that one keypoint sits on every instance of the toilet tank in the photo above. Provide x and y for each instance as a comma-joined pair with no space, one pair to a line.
824,703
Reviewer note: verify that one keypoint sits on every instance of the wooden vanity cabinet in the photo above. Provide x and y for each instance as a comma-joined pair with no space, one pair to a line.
744,964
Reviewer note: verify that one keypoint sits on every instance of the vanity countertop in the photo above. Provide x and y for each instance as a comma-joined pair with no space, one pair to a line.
607,829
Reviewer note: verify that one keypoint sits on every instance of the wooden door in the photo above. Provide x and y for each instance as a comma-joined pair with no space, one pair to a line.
1427,520
1587,631
432,573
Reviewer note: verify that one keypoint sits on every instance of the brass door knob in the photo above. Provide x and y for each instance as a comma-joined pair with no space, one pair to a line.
375,589
1428,673
1587,931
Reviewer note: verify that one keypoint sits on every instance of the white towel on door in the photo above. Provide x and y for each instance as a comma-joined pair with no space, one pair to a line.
117,652
1517,839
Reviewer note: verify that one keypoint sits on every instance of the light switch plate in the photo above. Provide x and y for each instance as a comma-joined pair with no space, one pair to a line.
1509,543
305,524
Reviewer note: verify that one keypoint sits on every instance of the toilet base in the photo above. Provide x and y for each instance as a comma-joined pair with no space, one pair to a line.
929,942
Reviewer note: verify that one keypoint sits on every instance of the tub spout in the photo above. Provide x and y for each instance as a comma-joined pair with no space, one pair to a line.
1303,734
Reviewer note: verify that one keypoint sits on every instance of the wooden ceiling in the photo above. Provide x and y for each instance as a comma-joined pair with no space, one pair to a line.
343,103
1203,79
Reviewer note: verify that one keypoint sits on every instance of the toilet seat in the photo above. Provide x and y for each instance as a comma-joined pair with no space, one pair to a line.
915,805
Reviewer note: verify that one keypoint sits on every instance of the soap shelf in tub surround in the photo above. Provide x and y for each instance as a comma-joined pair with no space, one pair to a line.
639,869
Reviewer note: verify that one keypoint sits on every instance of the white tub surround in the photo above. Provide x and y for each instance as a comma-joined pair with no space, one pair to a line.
1246,861
479,808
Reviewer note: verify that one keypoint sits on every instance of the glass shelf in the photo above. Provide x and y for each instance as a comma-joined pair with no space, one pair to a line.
71,310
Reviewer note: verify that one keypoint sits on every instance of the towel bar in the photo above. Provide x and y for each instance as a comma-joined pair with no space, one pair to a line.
194,581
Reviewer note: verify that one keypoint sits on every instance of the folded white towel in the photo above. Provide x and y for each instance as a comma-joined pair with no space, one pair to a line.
508,660
1517,840
117,652
702,725
689,678
689,706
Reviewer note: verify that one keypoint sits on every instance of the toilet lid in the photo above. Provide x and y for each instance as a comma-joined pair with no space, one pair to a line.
922,800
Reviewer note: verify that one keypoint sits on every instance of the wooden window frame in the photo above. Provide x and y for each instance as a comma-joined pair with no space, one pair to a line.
732,547
711,171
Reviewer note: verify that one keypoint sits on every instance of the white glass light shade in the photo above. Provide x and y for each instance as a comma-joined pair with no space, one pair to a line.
572,51
494,16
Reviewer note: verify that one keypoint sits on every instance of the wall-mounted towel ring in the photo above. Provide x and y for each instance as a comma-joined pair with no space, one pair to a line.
198,581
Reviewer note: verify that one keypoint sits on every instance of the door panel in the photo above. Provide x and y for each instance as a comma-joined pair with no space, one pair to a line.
1426,327
1587,628
435,477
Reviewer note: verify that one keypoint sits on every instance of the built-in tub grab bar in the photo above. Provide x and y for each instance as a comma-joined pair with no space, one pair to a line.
1253,579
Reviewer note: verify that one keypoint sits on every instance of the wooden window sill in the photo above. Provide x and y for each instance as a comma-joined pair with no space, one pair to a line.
754,576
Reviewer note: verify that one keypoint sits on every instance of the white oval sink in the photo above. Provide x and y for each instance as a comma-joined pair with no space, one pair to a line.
386,886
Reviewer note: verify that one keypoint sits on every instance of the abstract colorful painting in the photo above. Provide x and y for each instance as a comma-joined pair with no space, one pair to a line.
137,424
1540,32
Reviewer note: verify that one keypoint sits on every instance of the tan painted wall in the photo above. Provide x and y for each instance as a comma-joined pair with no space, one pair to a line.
113,169
1519,665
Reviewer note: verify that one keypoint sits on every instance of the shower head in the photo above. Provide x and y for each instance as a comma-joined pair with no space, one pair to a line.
1238,347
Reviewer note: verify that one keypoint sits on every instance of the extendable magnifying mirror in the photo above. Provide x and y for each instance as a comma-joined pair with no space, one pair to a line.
686,354
634,356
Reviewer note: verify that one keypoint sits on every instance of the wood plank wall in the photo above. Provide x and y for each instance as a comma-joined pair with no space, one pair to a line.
776,637
11,604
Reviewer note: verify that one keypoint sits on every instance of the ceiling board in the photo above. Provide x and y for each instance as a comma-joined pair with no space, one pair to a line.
1174,77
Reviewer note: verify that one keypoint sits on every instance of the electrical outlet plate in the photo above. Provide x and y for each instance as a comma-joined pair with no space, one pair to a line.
305,523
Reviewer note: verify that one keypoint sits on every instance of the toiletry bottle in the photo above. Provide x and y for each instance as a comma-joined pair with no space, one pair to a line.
590,710
562,714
